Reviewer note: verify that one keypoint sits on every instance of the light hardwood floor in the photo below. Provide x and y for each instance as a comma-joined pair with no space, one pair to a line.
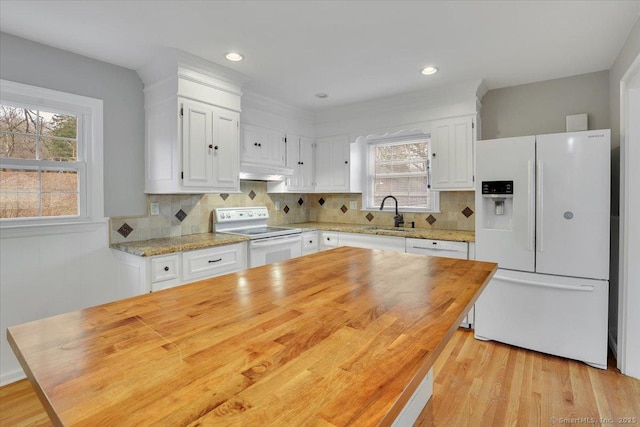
476,384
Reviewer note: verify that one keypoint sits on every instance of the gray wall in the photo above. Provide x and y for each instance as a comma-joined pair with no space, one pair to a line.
120,89
539,108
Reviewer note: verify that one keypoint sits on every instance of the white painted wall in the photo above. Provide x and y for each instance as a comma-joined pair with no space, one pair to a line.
32,63
408,111
266,112
48,274
625,138
623,61
629,327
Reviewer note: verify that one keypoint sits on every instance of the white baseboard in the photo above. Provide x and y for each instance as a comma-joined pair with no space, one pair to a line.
12,377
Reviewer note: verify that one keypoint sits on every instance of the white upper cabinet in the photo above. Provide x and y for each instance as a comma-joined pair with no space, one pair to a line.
332,164
191,131
226,162
300,159
452,154
209,147
197,144
262,146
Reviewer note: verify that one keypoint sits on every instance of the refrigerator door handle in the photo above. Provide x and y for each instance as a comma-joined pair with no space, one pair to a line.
531,211
540,201
581,288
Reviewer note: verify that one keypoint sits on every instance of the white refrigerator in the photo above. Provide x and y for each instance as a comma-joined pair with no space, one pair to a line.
542,205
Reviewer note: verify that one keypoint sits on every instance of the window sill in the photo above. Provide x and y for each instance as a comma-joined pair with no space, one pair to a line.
8,231
400,210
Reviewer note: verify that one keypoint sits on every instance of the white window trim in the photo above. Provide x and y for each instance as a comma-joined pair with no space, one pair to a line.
400,136
92,186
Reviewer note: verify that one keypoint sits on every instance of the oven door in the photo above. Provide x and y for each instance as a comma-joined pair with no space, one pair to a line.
273,249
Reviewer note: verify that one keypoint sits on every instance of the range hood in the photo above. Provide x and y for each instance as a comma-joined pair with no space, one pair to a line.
256,172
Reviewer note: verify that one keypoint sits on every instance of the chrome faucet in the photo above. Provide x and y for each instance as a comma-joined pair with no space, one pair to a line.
398,219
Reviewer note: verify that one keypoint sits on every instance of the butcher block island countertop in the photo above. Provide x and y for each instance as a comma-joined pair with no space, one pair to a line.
342,337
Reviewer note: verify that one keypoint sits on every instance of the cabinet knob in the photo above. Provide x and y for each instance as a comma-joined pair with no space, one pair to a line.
210,145
166,269
346,162
434,154
215,147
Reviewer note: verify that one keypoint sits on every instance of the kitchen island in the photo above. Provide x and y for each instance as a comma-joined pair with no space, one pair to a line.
342,337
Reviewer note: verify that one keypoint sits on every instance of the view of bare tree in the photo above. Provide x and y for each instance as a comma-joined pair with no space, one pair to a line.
30,190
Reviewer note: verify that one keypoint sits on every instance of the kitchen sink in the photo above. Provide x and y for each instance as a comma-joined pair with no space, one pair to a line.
397,229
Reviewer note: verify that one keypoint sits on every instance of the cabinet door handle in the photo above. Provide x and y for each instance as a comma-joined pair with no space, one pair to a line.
166,269
215,260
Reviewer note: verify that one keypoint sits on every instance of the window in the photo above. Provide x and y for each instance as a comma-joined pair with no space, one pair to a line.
400,168
50,156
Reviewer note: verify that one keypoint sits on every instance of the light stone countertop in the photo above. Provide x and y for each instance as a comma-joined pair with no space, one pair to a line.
416,233
167,245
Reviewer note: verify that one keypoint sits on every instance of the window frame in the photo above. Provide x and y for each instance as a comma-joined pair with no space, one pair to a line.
89,167
369,172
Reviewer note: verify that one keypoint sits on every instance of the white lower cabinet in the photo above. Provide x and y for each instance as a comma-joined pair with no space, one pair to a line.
165,271
328,240
447,249
139,275
310,242
370,241
211,262
443,248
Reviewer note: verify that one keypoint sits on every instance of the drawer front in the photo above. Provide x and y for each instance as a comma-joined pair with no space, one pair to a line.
442,248
329,239
213,262
165,268
310,242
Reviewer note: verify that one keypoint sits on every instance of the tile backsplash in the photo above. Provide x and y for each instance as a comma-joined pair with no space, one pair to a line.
183,214
456,212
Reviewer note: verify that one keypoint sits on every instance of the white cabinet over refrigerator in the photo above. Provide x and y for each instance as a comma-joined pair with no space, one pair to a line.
542,205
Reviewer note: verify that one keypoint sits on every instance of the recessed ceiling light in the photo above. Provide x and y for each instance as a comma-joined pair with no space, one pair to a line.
234,56
321,95
429,70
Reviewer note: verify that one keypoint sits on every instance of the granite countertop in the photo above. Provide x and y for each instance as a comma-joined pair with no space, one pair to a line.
416,233
167,245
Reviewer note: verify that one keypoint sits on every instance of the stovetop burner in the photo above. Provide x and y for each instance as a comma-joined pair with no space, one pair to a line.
250,222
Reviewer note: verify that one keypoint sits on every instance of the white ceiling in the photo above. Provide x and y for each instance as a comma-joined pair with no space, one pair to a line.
352,50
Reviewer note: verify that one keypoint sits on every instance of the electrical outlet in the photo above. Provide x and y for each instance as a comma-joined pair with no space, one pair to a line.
154,209
277,206
353,204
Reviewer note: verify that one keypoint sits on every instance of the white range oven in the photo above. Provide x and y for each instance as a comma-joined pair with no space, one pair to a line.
268,244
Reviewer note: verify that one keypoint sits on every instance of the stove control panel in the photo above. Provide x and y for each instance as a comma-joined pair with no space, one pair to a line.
241,214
